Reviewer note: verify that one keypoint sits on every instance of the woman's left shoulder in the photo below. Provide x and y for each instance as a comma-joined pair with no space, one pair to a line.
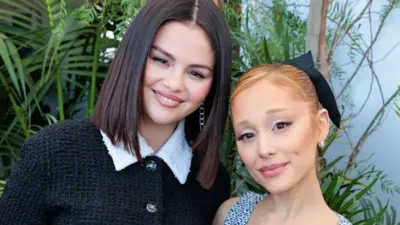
223,210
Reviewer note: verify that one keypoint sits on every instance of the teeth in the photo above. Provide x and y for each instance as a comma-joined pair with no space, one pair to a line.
165,99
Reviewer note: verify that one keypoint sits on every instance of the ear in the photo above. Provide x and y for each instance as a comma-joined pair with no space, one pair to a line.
323,124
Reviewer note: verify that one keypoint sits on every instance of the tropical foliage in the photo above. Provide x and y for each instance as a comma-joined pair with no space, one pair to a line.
55,54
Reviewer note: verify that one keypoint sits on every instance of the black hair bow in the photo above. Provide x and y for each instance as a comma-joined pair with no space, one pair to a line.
325,95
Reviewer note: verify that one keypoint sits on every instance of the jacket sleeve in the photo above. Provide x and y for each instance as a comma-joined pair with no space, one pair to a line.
23,198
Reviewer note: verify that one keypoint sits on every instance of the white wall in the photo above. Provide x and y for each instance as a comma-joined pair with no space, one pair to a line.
385,142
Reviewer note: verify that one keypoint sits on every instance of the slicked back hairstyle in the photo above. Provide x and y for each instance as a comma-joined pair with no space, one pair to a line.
119,107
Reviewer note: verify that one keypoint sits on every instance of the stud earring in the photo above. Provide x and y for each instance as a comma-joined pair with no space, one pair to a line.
201,115
321,144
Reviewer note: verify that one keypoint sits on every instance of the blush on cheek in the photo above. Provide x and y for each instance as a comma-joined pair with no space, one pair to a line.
248,156
300,142
201,92
152,74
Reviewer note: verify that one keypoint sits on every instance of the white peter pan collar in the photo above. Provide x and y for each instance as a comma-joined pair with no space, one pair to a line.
176,153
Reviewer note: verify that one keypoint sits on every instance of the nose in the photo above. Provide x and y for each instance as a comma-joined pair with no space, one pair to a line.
265,149
174,80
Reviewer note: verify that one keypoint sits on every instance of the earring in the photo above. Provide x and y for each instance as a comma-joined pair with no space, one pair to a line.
321,144
201,115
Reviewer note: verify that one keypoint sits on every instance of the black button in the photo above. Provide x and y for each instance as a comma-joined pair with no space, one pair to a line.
151,207
151,165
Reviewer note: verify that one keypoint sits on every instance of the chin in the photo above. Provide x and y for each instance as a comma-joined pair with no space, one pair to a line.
276,185
162,119
277,189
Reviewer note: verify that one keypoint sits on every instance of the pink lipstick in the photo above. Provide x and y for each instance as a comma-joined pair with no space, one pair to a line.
273,169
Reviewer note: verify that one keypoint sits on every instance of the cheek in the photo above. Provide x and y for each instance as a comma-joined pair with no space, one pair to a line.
152,73
198,90
297,144
303,149
247,154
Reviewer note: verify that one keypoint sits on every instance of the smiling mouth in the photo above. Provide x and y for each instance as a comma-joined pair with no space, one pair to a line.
167,101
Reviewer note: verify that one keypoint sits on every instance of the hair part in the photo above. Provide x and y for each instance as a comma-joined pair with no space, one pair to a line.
119,108
195,11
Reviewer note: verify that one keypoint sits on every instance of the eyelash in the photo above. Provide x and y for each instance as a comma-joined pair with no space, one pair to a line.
283,123
165,62
247,136
197,74
159,60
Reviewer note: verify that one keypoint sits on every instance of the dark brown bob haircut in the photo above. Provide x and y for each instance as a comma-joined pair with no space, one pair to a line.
119,107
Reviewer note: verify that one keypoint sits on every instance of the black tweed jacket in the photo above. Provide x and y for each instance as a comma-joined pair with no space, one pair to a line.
65,176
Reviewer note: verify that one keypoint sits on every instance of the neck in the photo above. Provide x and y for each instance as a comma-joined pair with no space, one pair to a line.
305,198
156,135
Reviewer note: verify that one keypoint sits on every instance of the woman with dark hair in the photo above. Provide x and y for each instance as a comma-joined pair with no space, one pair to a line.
150,152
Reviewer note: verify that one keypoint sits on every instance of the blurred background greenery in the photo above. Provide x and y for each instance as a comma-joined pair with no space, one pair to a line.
55,54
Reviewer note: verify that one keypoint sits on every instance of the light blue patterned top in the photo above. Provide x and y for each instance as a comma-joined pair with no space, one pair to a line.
241,211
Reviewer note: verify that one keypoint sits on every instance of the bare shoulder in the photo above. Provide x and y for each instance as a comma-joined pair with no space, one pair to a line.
223,211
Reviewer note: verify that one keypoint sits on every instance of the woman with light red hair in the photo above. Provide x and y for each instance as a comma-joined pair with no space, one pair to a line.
280,114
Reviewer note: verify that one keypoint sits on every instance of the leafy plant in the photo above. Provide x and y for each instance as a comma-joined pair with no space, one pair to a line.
388,217
344,194
2,183
54,56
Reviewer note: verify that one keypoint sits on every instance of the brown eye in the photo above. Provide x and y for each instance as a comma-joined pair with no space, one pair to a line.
196,74
245,136
281,125
159,60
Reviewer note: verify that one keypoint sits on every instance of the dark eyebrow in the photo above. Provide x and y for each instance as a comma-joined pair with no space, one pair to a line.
201,66
169,55
163,52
